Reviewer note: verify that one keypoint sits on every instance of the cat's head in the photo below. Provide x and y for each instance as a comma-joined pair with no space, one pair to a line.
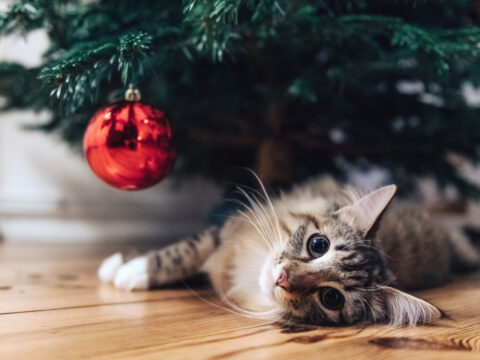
328,272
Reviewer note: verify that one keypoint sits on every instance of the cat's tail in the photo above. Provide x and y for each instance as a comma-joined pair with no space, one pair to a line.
465,257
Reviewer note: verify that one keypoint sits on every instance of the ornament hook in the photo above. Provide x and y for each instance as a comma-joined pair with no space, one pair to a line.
132,94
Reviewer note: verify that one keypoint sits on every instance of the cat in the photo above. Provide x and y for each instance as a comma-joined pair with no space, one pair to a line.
322,254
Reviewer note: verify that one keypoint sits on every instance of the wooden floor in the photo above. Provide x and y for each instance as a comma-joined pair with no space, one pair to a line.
53,307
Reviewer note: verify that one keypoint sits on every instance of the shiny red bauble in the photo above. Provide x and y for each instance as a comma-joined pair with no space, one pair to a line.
129,145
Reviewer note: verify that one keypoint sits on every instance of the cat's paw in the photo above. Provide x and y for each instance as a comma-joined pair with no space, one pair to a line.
133,275
108,269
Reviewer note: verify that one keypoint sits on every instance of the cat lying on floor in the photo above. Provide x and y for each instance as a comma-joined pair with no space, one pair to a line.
322,254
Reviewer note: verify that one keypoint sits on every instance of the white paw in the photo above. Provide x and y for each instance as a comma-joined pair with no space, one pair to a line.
133,275
108,269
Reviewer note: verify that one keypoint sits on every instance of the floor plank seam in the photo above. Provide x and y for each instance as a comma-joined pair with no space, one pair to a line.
92,305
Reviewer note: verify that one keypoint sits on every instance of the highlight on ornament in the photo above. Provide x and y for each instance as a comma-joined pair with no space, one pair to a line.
129,144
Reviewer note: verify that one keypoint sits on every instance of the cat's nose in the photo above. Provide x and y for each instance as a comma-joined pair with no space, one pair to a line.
282,281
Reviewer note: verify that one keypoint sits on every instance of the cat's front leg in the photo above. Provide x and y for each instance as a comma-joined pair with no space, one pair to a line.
160,267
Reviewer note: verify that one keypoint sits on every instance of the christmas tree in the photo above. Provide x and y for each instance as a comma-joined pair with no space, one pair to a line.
288,88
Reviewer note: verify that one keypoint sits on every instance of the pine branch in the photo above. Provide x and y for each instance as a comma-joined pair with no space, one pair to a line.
79,77
20,88
21,16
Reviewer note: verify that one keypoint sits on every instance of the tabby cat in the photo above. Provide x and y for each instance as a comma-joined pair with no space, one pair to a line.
322,254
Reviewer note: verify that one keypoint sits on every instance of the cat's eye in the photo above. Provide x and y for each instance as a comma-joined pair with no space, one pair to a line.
317,245
331,298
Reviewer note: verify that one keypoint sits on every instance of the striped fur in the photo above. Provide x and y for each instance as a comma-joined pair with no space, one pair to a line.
182,259
373,256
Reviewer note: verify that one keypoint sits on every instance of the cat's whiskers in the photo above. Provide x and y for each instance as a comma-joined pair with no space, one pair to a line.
272,209
260,224
257,228
267,221
256,224
290,321
264,194
252,209
258,211
255,247
269,315
229,308
377,287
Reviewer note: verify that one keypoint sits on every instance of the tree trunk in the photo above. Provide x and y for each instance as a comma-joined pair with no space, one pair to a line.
274,161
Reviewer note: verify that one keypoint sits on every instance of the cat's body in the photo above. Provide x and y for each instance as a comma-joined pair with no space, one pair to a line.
321,254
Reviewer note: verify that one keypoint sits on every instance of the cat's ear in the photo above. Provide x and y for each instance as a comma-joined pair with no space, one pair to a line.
406,309
363,213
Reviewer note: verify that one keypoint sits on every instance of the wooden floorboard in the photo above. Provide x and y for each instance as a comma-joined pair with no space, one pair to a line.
53,307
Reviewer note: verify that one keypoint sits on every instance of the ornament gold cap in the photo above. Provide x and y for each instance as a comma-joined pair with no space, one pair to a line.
132,94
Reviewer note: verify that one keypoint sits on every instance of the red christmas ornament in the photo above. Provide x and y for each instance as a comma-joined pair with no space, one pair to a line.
128,144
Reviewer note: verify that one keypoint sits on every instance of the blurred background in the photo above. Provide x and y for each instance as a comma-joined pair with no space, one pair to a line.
49,194
369,92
